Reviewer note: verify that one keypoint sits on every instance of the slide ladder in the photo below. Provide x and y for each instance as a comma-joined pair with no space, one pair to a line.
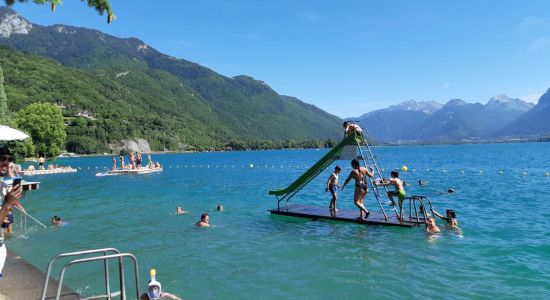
368,155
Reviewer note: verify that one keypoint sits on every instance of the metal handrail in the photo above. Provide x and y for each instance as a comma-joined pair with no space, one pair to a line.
412,204
105,258
78,253
23,221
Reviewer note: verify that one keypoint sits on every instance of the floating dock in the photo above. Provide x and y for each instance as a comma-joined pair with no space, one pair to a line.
344,215
29,185
134,171
45,172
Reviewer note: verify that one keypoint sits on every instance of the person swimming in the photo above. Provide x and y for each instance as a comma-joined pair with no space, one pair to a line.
219,207
204,222
179,210
56,221
432,226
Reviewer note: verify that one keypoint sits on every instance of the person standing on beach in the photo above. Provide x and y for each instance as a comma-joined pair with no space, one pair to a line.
359,174
332,186
10,199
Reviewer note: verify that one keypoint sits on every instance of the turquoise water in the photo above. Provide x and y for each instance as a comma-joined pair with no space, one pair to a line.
250,254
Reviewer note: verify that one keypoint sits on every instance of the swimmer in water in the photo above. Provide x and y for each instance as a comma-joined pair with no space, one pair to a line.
56,221
432,226
219,207
204,222
179,210
450,190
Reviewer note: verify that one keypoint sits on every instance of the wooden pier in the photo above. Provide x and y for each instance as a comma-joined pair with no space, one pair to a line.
344,215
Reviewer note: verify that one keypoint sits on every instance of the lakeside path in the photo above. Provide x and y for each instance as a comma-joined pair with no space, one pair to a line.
23,281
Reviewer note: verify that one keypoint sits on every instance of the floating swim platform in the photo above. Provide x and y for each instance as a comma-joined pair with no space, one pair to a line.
45,172
343,215
130,171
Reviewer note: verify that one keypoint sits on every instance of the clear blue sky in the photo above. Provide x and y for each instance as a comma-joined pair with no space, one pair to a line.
347,57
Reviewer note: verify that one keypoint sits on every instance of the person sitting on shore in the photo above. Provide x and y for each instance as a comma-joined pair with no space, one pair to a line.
431,226
56,221
204,222
350,128
359,174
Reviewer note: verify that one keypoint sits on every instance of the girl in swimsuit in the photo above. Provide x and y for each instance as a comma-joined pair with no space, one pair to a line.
359,174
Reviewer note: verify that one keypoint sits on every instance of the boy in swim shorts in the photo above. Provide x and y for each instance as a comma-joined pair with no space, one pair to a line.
332,186
399,191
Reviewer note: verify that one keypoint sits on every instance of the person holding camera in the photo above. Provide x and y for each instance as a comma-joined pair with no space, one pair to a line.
9,199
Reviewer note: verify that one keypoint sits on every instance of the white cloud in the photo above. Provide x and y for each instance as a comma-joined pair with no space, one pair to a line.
446,85
532,22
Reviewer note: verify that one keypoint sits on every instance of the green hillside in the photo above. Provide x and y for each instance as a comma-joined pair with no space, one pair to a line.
119,112
177,103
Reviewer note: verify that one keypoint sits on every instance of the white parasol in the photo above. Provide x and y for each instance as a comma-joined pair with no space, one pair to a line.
11,134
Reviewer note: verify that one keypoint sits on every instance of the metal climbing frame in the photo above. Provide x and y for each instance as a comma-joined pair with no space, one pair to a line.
421,200
369,157
115,254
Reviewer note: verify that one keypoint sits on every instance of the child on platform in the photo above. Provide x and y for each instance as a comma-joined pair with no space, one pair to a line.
332,186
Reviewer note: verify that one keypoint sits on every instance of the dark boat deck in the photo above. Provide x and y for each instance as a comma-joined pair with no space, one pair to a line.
345,215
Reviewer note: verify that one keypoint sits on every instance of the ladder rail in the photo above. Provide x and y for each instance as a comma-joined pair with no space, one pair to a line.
105,258
79,253
375,191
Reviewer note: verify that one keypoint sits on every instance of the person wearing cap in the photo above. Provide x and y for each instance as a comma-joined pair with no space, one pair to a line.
10,198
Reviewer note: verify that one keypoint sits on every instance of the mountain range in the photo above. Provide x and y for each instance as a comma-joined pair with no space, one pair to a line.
180,103
499,119
112,89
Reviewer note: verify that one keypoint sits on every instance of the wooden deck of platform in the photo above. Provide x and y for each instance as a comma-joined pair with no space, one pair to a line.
135,171
45,172
344,215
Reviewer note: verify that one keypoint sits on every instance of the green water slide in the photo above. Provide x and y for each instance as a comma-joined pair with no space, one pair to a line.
334,154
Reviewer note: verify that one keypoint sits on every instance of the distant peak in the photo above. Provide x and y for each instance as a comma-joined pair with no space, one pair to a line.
12,23
500,98
458,102
427,107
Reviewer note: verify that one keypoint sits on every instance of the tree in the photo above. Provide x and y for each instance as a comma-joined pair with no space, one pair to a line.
3,101
102,6
44,122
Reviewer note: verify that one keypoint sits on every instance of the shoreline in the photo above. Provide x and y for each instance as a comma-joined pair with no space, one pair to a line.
21,280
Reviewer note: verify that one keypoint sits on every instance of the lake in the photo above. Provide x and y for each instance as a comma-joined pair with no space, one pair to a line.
502,198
